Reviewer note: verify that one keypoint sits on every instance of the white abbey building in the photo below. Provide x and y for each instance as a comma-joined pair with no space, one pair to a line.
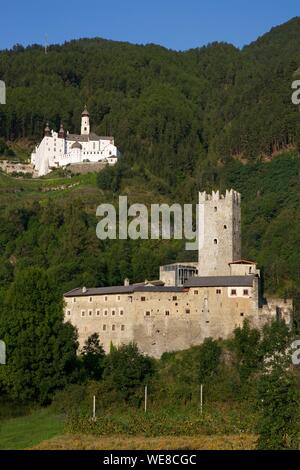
58,149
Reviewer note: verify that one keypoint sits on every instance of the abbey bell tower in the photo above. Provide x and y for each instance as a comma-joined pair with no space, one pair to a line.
85,122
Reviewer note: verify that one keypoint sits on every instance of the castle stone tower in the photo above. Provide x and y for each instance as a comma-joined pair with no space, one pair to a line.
219,232
85,122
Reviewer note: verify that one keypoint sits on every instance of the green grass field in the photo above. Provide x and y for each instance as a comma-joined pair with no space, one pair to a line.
27,431
43,429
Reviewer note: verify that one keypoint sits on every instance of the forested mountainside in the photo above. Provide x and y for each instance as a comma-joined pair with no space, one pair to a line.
210,117
170,110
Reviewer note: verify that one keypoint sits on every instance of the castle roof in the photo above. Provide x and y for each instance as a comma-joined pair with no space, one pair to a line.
220,281
242,261
205,281
79,292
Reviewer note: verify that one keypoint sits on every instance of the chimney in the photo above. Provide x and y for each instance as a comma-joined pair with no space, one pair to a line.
126,281
84,290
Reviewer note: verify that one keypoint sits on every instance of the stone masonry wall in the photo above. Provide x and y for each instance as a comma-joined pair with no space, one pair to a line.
162,321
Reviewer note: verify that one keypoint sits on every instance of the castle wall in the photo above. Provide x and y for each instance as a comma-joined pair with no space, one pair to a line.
162,321
242,269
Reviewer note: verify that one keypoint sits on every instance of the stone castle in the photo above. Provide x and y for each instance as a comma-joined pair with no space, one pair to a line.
190,301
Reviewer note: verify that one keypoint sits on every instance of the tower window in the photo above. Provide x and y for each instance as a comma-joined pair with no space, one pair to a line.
215,209
225,227
215,241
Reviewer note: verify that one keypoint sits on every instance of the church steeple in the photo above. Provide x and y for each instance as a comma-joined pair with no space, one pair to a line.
47,131
85,122
61,132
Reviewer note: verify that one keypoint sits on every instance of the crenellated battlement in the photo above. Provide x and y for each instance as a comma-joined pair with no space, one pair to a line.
231,195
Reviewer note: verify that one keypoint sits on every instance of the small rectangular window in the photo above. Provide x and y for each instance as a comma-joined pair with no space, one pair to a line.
147,314
113,327
122,327
143,299
118,298
74,300
90,313
68,312
167,313
246,292
187,310
174,297
196,292
104,327
91,299
233,291
105,298
113,312
98,313
121,311
82,313
105,312
218,291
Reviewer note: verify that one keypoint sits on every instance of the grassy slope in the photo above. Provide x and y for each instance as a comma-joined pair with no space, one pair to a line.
27,431
19,191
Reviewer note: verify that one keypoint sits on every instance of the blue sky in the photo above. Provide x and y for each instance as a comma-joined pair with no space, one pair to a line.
176,24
